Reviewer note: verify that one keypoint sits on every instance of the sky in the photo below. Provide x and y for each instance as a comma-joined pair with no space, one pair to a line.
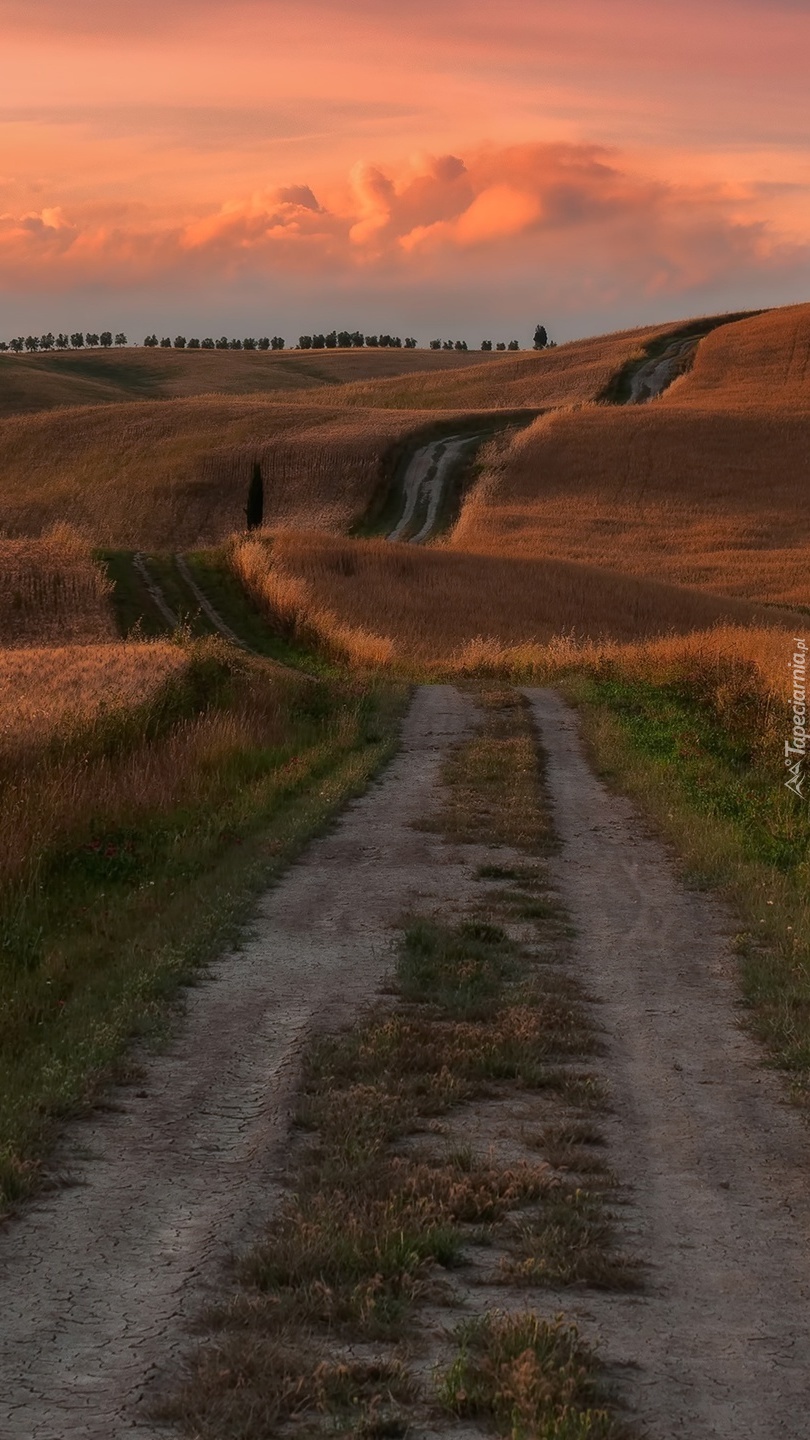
442,168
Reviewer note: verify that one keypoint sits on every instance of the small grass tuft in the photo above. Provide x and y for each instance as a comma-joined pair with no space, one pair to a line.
531,1379
519,874
463,972
569,1240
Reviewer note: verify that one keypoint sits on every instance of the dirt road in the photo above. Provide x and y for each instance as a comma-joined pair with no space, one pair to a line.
656,375
98,1279
718,1162
425,482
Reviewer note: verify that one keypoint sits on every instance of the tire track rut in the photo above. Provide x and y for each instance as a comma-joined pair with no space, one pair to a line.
99,1280
716,1157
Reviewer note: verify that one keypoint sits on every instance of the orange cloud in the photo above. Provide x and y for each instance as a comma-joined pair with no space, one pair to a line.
574,223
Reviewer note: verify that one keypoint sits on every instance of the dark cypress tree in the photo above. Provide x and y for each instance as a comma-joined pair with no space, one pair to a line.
254,510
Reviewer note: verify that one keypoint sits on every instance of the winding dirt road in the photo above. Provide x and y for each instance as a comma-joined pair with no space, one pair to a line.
99,1279
425,482
717,1162
657,374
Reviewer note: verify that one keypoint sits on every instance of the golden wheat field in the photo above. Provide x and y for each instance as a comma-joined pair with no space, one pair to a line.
704,487
43,688
760,362
43,381
47,796
51,591
174,474
767,649
377,603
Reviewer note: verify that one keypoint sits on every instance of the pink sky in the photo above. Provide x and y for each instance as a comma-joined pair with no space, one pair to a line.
436,166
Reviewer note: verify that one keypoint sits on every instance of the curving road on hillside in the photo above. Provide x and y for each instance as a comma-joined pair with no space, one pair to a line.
425,486
657,374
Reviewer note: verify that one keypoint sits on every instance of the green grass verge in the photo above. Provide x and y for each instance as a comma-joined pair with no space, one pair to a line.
134,609
117,915
218,583
718,794
137,615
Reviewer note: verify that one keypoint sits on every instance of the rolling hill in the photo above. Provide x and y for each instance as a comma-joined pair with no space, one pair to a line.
45,381
705,486
173,472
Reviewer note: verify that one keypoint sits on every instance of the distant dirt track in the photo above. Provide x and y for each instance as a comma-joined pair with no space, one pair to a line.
425,482
656,375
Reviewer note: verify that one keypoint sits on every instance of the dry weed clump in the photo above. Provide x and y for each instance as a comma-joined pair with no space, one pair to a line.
45,688
52,590
704,487
528,1377
373,602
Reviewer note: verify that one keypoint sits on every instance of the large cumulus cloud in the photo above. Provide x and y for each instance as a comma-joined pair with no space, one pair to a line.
576,213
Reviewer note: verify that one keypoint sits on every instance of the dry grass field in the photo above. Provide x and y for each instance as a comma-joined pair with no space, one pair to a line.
43,381
175,474
563,375
376,603
759,363
46,688
52,591
704,487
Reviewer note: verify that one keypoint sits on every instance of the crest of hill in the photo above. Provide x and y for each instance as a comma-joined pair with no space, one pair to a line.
373,601
706,486
761,363
562,375
46,380
176,473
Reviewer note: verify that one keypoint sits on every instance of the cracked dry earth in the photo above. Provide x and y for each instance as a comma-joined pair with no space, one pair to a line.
715,1157
100,1279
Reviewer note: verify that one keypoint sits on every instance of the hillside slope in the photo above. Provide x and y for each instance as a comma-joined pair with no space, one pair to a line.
561,375
706,486
376,601
44,381
174,474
